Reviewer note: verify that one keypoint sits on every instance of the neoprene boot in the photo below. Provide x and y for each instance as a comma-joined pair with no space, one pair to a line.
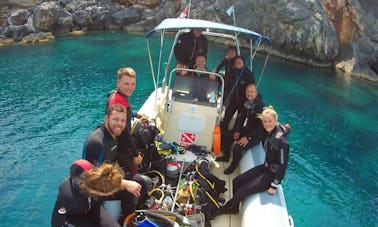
230,169
228,209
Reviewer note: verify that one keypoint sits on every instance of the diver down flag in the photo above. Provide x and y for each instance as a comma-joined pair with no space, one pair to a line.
184,13
187,138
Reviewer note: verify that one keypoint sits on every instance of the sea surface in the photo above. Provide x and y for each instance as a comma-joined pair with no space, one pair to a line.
52,95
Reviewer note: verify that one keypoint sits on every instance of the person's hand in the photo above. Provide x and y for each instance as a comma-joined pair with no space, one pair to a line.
236,135
212,76
131,186
138,160
243,141
271,191
180,65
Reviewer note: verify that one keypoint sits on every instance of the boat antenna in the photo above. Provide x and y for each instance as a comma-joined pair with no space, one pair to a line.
190,6
229,11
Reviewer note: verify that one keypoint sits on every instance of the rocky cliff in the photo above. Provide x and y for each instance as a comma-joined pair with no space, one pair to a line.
338,33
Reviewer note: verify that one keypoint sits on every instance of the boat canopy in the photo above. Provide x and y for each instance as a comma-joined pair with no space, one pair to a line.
177,24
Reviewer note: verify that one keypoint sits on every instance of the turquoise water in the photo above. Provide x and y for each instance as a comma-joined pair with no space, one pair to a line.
53,95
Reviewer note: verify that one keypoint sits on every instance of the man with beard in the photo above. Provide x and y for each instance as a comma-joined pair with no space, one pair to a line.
102,146
128,156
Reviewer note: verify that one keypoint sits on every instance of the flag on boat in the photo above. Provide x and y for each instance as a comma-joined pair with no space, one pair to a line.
230,10
183,14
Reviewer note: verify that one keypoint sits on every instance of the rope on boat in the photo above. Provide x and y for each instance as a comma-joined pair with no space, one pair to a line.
263,70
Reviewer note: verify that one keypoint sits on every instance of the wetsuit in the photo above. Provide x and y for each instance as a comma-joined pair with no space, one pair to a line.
234,89
264,176
74,208
127,149
188,46
126,141
100,146
228,65
248,125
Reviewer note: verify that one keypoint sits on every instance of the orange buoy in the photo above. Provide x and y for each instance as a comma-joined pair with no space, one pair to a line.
217,140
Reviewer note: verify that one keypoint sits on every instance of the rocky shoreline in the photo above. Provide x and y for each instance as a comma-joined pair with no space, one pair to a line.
324,33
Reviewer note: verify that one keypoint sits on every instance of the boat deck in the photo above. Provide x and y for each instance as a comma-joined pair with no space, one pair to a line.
226,220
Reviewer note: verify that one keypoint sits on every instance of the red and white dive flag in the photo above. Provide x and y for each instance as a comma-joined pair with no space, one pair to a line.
184,13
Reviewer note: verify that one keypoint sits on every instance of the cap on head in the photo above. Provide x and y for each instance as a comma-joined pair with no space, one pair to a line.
78,166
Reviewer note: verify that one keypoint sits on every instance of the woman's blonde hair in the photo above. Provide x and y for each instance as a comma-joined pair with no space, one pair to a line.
127,71
104,179
269,110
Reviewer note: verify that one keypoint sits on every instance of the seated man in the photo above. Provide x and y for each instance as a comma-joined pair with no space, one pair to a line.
246,129
128,156
102,145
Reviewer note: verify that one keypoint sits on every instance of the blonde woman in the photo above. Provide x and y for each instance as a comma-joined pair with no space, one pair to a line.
267,176
80,197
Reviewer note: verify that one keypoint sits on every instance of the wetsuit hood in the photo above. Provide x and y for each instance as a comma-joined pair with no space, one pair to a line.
77,168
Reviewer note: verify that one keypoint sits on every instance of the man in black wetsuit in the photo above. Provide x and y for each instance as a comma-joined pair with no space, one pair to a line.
188,46
246,129
128,156
102,145
239,76
80,197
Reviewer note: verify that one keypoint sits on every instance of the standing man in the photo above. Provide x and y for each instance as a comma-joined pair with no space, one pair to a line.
188,46
102,146
128,155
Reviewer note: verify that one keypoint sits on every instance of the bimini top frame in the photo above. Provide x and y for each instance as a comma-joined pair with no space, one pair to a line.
210,29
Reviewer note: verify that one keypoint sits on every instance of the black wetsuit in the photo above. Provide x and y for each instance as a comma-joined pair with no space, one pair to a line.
247,124
188,46
228,65
234,88
126,143
264,176
127,150
74,207
100,146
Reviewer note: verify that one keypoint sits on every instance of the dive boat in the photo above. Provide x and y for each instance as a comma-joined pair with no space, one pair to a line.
186,117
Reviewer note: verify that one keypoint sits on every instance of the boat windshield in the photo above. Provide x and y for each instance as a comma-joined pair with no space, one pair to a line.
195,89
